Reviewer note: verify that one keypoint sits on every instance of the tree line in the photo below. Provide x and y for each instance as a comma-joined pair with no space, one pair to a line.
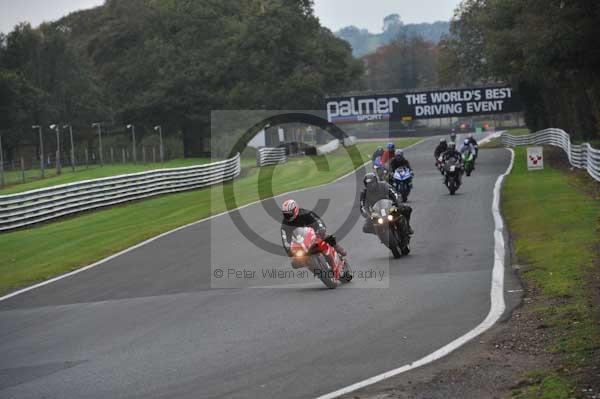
364,42
549,50
168,62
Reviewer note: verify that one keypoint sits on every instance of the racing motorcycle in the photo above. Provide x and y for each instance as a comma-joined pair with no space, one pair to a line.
452,173
318,255
402,182
391,227
469,162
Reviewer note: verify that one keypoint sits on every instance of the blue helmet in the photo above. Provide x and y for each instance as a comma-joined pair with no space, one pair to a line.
391,146
466,141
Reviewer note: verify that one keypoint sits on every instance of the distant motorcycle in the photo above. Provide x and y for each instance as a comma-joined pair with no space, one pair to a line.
469,162
452,174
402,182
318,255
391,227
380,169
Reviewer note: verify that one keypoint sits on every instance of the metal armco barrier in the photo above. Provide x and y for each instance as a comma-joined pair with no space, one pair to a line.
350,141
582,156
329,147
22,209
270,156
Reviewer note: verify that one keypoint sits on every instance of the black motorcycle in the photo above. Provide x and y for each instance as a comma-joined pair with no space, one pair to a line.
452,174
391,227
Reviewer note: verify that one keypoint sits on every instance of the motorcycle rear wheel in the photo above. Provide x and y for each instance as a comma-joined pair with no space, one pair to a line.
406,250
395,251
346,274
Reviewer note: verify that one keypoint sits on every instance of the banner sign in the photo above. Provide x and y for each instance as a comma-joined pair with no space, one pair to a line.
535,158
361,108
423,105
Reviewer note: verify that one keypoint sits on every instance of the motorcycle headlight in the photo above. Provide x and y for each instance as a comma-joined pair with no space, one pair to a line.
300,253
390,218
380,220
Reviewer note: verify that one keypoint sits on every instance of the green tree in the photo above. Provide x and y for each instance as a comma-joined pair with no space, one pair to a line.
406,63
548,50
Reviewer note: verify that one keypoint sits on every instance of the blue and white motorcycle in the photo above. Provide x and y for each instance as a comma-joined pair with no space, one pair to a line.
402,182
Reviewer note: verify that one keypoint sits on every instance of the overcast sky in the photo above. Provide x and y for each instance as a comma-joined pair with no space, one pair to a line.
369,14
333,13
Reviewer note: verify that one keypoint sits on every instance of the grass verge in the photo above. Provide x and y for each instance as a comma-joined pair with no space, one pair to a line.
34,181
553,216
32,255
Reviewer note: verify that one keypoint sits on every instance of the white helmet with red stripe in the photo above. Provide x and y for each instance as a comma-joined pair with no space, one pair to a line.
290,210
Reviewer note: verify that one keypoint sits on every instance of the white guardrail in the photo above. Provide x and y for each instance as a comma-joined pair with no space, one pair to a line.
335,144
30,207
582,156
270,156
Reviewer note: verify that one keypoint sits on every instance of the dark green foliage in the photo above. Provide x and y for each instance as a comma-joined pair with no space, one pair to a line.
171,62
405,63
548,49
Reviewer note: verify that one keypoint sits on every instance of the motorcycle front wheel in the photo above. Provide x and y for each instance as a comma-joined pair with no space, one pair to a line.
396,243
452,187
324,272
404,191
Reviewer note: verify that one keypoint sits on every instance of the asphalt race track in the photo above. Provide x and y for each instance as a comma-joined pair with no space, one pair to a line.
147,324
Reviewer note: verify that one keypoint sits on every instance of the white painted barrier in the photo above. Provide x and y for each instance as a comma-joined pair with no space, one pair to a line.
582,156
30,207
329,147
350,141
270,156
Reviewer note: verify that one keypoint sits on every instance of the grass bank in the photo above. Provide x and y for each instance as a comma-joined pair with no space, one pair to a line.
34,181
553,216
35,254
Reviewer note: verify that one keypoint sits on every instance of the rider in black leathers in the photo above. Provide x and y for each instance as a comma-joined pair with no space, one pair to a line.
374,191
378,152
399,162
452,152
441,148
294,217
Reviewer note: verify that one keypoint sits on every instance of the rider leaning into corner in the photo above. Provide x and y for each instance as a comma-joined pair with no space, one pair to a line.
374,191
294,217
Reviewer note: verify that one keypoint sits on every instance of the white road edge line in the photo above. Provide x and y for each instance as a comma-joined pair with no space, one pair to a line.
496,309
148,241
